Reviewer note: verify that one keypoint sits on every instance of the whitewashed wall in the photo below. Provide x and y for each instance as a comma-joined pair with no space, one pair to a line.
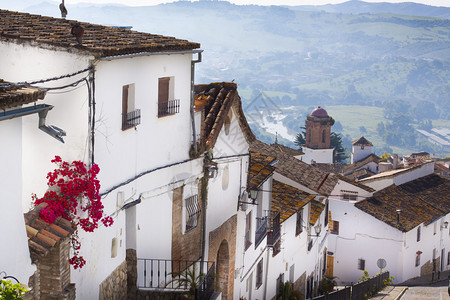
324,156
362,236
246,260
14,254
358,153
376,182
26,63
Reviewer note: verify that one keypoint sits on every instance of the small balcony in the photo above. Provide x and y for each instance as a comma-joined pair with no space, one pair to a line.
261,231
131,119
275,234
168,108
173,276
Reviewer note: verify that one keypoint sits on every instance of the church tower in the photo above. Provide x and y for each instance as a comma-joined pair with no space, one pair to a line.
318,131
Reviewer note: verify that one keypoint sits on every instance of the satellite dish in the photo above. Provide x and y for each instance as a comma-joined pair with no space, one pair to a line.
381,263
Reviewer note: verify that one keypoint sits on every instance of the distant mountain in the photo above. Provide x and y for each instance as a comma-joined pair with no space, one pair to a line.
361,7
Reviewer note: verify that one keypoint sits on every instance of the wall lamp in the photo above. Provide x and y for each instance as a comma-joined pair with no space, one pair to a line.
212,171
317,230
6,276
445,225
252,194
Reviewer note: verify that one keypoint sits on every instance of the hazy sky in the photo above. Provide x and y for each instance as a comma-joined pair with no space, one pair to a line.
261,2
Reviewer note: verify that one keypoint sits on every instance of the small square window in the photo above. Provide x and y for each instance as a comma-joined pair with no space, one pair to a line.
192,212
361,264
167,105
334,227
418,234
418,259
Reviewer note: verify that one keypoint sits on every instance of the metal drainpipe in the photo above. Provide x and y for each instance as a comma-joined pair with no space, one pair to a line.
193,62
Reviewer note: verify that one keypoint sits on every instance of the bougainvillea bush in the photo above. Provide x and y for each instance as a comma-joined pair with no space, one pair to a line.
74,195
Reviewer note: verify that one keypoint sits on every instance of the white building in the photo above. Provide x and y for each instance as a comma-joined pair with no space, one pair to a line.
405,225
120,95
14,253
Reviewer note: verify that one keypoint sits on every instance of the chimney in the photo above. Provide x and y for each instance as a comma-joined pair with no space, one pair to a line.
395,162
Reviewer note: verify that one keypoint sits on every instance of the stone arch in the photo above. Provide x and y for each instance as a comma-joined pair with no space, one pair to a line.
223,268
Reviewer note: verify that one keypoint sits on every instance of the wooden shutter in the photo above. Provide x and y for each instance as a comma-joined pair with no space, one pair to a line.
124,106
163,89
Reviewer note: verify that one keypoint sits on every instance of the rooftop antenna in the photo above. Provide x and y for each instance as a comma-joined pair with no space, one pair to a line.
276,137
63,10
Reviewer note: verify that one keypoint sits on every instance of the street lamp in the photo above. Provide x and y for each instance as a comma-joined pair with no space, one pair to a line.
317,230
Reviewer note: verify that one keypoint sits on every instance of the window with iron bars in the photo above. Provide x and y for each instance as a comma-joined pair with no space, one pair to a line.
131,117
192,212
166,104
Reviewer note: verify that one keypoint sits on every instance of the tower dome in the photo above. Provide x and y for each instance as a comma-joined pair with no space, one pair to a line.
319,112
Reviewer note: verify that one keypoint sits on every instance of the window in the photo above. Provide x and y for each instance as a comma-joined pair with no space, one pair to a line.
418,234
361,264
248,223
418,258
131,117
323,136
167,105
349,195
192,212
326,214
292,273
335,227
259,273
448,258
299,223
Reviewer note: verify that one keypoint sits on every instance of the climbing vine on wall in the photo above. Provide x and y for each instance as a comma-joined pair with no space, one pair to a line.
73,194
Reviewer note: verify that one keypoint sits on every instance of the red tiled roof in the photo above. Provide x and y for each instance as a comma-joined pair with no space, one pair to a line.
259,169
423,200
287,199
42,237
316,210
287,150
220,97
97,40
362,141
294,169
358,184
12,95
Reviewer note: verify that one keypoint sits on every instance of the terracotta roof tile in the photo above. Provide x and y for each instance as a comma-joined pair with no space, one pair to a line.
362,141
359,164
259,169
42,237
306,175
97,40
316,210
358,184
423,200
287,150
287,199
12,95
219,98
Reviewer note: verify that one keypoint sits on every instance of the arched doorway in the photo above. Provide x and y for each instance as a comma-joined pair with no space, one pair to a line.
222,268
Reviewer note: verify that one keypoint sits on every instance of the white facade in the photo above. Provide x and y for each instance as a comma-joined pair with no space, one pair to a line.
362,236
359,152
14,254
133,163
397,177
320,156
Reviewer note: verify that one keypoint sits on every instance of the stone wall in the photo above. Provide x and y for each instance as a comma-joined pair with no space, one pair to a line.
185,246
54,274
428,267
131,274
115,286
226,232
300,284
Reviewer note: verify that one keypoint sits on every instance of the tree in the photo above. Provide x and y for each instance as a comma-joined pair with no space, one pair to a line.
339,155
